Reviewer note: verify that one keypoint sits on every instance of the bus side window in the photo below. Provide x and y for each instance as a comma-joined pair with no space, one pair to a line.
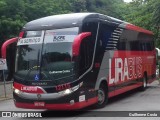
146,42
142,46
122,45
104,35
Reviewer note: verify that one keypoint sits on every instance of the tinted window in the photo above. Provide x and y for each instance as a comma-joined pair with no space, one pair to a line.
135,41
105,37
146,42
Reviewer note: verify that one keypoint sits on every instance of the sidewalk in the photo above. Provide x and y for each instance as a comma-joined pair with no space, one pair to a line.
8,90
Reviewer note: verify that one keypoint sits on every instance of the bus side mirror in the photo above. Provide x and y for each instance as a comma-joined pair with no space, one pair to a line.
77,42
5,44
9,61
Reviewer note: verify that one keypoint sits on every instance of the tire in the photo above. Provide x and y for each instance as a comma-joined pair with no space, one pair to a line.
102,96
144,86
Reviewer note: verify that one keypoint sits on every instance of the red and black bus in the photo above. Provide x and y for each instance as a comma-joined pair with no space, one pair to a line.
71,61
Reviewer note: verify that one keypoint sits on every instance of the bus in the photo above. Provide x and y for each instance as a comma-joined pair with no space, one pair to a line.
71,61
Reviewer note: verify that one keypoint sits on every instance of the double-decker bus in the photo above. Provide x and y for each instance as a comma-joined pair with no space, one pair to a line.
71,61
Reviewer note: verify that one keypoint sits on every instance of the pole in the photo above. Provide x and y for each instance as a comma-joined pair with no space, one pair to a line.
4,81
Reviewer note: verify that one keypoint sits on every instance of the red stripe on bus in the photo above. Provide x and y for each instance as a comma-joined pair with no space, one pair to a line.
121,82
124,89
139,29
28,89
64,106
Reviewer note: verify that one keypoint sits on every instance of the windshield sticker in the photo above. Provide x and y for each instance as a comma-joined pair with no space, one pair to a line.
30,40
59,38
57,72
60,35
27,41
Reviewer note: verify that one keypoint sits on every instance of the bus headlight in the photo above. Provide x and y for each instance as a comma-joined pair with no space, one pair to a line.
67,91
17,91
70,90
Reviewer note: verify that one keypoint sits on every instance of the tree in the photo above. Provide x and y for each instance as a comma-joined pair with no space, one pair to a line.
15,13
78,5
156,19
11,19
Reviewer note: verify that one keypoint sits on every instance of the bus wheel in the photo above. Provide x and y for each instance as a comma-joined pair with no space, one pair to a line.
144,86
102,96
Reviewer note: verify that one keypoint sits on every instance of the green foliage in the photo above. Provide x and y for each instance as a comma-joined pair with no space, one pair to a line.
15,13
156,19
145,13
78,5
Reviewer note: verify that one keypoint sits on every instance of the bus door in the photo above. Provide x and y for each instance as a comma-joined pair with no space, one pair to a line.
105,54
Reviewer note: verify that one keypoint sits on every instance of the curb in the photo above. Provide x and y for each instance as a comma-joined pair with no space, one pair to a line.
3,98
7,82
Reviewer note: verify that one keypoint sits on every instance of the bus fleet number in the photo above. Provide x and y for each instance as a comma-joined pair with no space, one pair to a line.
62,87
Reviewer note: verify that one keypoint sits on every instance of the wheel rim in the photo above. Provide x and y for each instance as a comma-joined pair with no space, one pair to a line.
101,96
144,83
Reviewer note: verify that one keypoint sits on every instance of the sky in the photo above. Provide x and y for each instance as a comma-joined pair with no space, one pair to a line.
127,0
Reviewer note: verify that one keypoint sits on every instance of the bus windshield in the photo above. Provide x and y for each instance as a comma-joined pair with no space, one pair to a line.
46,55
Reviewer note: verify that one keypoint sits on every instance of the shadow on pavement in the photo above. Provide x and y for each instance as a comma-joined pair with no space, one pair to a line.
89,111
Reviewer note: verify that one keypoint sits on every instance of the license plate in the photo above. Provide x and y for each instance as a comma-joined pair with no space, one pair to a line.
39,104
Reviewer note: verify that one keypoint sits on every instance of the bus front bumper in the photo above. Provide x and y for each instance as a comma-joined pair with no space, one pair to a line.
62,106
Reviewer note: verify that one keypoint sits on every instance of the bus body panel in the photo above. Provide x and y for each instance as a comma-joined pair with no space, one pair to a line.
112,51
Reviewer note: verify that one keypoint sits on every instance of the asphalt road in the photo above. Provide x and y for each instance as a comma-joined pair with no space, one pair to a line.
148,100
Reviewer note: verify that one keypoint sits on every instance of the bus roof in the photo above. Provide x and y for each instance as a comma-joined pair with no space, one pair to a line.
75,20
59,21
